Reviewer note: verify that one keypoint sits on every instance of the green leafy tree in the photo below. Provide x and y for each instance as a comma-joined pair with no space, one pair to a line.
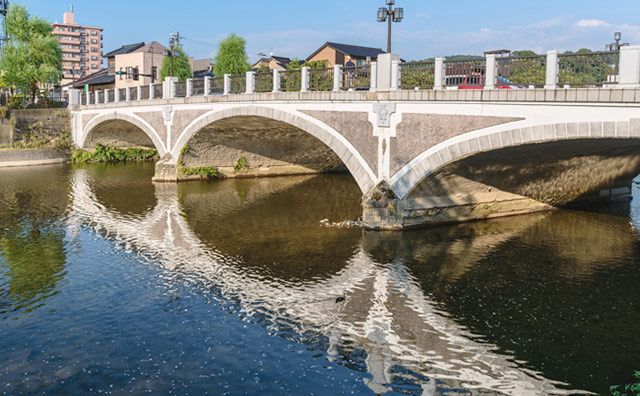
232,56
32,58
181,66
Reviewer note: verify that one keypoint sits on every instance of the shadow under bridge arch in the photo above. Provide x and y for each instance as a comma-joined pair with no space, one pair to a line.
120,130
271,142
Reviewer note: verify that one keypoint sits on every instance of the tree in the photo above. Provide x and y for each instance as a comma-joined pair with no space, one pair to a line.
32,58
181,66
232,56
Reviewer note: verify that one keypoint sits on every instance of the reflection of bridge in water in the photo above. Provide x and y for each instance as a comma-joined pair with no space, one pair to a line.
385,312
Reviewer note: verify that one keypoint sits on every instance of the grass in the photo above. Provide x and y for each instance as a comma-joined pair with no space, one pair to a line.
104,153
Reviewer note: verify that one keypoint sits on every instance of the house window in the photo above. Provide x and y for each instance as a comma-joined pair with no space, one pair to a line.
129,72
94,57
93,33
360,62
94,41
93,49
94,66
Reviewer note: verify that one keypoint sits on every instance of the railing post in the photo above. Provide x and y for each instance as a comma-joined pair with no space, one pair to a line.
96,97
106,96
438,74
276,81
74,97
139,93
189,85
629,67
116,95
127,94
304,81
395,75
207,86
251,82
337,78
491,72
87,98
151,93
227,84
373,78
551,81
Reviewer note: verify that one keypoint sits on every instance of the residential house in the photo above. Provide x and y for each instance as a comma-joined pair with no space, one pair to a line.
341,54
272,63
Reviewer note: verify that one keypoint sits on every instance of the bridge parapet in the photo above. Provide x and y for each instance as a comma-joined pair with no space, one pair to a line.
600,71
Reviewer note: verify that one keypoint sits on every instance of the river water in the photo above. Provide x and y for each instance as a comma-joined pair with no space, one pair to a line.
111,284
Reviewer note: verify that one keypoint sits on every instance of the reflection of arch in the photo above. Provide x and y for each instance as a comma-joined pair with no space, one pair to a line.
132,119
451,150
348,154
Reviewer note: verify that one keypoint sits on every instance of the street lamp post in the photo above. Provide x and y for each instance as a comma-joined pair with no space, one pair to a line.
393,15
615,46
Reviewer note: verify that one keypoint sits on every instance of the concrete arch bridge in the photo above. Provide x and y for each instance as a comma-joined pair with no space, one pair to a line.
418,156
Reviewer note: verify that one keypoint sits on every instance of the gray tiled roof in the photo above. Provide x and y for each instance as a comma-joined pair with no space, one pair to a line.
125,49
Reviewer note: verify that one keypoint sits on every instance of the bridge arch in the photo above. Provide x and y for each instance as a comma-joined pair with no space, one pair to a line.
405,181
345,151
95,123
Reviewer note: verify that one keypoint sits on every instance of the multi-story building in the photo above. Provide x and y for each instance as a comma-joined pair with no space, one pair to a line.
81,48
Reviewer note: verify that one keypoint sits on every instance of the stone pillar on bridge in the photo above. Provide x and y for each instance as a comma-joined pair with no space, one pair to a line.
106,95
491,73
438,74
127,93
151,92
96,97
169,87
139,93
189,85
395,75
74,97
251,82
227,84
384,71
629,69
116,95
207,86
373,78
552,70
304,80
276,81
337,78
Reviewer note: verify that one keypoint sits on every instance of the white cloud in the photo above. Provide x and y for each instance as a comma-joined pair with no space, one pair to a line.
587,23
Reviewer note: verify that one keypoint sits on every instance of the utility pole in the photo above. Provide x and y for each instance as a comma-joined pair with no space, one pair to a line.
174,41
4,9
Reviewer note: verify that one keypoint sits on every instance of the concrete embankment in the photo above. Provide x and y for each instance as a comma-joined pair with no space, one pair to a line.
27,157
35,137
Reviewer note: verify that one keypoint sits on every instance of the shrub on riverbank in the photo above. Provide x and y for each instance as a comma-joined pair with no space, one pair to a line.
104,153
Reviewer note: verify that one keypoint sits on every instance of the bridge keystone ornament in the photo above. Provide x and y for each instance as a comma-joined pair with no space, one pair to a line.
384,111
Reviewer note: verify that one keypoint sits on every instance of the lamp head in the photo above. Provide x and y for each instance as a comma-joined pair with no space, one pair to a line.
382,14
391,2
617,36
398,14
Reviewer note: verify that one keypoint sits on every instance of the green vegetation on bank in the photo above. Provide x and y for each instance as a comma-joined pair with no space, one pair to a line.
104,153
207,172
632,389
32,58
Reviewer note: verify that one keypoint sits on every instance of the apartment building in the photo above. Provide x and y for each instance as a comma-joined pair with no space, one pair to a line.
81,48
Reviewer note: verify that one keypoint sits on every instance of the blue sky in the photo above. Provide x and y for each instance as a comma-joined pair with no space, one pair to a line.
297,28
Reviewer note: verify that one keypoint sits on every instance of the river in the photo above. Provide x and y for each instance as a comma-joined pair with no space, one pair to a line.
111,284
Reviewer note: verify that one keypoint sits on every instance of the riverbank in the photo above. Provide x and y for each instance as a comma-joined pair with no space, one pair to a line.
30,157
